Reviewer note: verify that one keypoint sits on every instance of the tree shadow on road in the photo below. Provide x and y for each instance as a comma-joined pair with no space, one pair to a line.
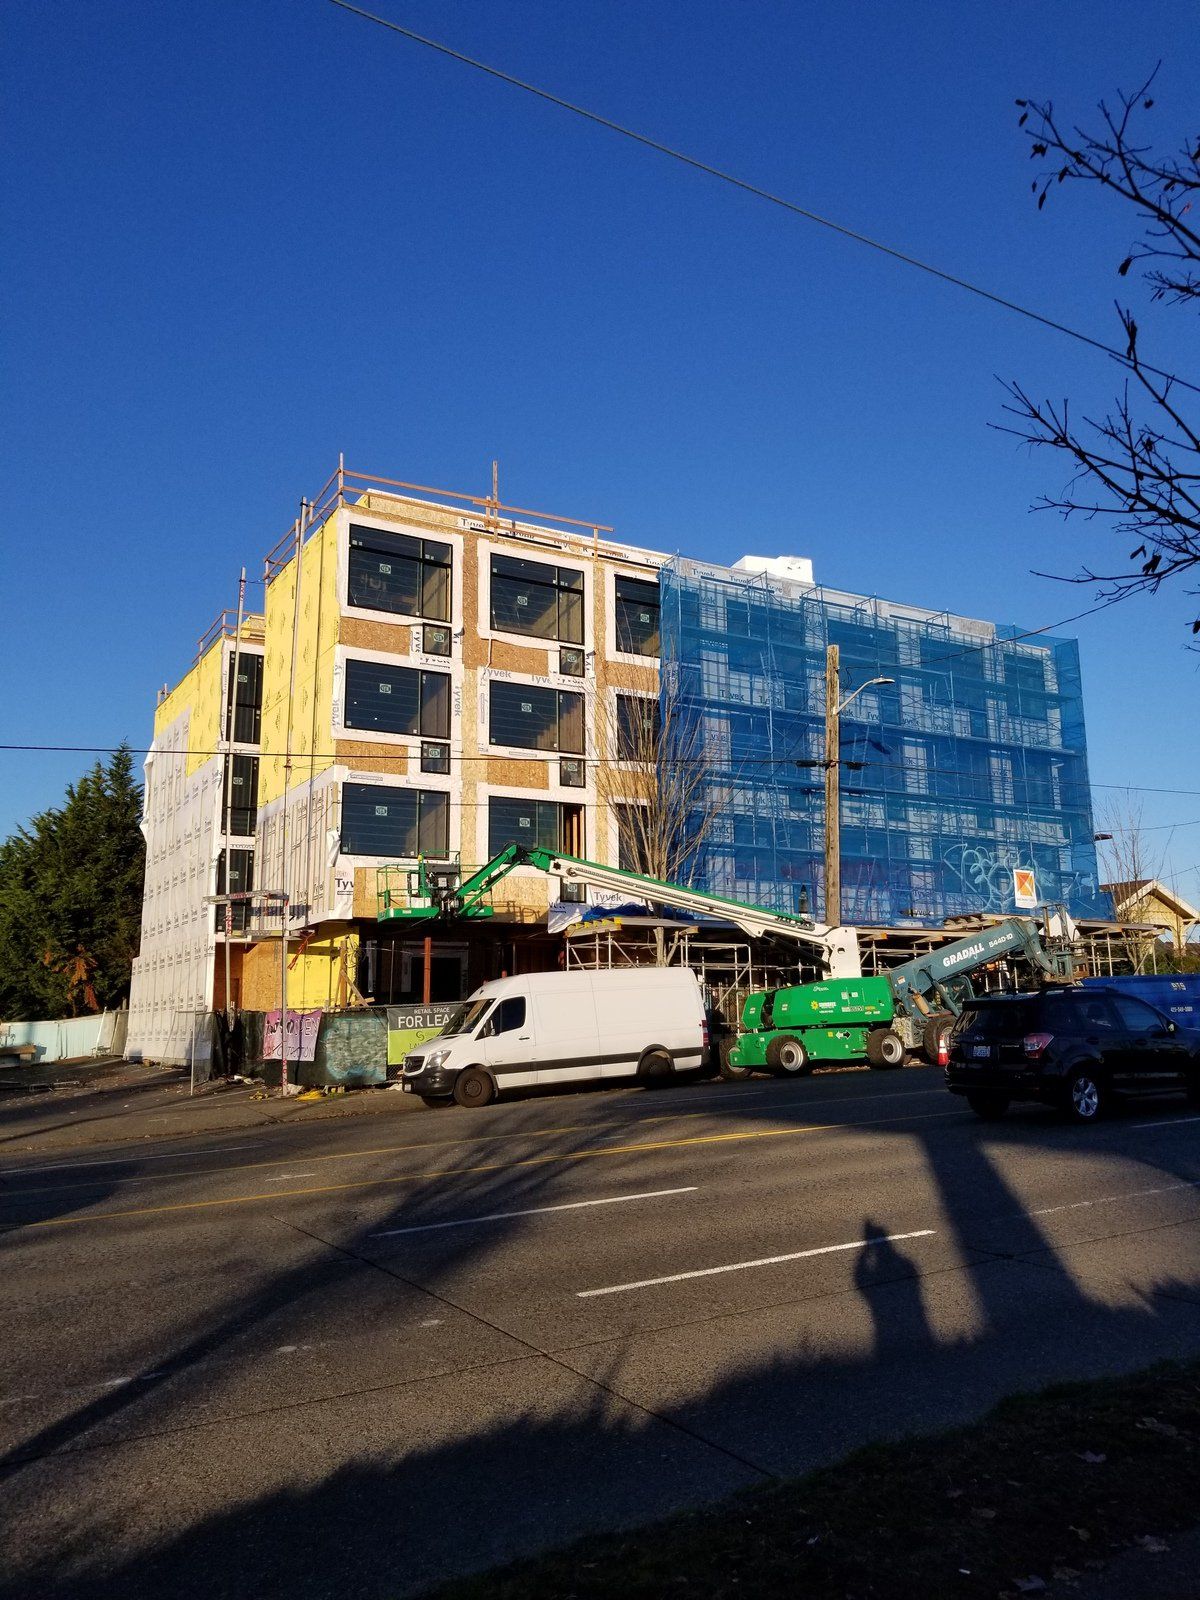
453,1469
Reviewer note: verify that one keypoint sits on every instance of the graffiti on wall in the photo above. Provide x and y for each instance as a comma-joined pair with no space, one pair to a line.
987,880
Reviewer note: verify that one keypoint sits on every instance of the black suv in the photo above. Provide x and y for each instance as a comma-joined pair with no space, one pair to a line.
1074,1048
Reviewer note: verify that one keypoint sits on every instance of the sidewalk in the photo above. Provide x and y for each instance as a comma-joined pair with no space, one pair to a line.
114,1103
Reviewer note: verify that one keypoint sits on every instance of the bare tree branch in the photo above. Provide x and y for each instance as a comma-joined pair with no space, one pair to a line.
1128,861
1138,466
655,776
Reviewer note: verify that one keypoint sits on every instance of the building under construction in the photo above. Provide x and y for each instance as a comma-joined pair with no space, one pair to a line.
964,778
438,675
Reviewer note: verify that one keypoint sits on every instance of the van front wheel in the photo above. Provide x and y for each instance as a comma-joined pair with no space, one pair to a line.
474,1088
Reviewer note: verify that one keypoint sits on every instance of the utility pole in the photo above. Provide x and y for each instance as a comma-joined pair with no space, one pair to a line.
833,799
834,706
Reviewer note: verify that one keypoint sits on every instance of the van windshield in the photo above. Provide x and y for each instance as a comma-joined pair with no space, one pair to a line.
465,1017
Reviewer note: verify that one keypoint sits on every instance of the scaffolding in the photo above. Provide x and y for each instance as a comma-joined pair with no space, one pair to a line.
970,764
728,969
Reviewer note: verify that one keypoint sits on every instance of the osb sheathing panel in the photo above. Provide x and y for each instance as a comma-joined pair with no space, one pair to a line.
503,773
369,757
314,975
366,898
391,638
518,658
636,680
522,899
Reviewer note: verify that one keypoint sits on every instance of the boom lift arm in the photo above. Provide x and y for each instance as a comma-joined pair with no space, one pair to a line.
934,981
836,948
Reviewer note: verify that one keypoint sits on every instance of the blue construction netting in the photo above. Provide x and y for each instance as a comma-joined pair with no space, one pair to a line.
974,762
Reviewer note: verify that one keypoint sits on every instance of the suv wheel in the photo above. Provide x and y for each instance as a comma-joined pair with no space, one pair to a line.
991,1107
1087,1099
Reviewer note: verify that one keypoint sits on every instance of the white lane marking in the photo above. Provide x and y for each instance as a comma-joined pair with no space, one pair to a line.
125,1161
81,1388
763,1261
284,1176
1171,1122
1109,1199
534,1211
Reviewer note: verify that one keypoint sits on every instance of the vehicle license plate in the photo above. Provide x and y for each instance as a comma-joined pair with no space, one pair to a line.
981,1052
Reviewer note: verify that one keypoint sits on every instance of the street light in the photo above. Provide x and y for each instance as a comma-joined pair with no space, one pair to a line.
833,800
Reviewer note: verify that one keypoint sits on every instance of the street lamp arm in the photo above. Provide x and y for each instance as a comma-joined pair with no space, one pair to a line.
870,684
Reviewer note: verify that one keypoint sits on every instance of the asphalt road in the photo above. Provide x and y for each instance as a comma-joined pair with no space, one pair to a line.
356,1357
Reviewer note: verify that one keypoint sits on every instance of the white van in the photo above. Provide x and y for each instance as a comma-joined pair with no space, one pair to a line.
563,1027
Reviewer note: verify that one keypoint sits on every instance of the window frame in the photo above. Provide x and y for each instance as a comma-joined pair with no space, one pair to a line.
534,802
239,910
426,563
436,799
624,645
499,687
239,713
577,586
442,686
624,724
229,781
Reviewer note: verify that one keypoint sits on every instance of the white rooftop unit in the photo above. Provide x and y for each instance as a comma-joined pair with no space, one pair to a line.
792,569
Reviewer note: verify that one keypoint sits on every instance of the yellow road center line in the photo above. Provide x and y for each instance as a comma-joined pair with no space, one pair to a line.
491,1166
388,1149
337,1155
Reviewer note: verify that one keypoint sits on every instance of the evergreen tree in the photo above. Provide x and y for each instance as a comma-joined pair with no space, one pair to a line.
71,898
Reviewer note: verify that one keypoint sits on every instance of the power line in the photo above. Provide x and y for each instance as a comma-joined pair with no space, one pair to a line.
758,192
301,758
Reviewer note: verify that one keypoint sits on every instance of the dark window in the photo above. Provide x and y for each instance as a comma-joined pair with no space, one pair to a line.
379,821
571,662
1060,1016
435,758
1135,1015
247,702
1096,1015
572,773
507,1017
241,779
397,699
400,573
998,1019
436,640
534,822
637,616
637,727
240,881
530,597
536,719
630,838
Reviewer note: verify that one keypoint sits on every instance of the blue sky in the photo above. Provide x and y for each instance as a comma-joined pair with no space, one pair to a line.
243,235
